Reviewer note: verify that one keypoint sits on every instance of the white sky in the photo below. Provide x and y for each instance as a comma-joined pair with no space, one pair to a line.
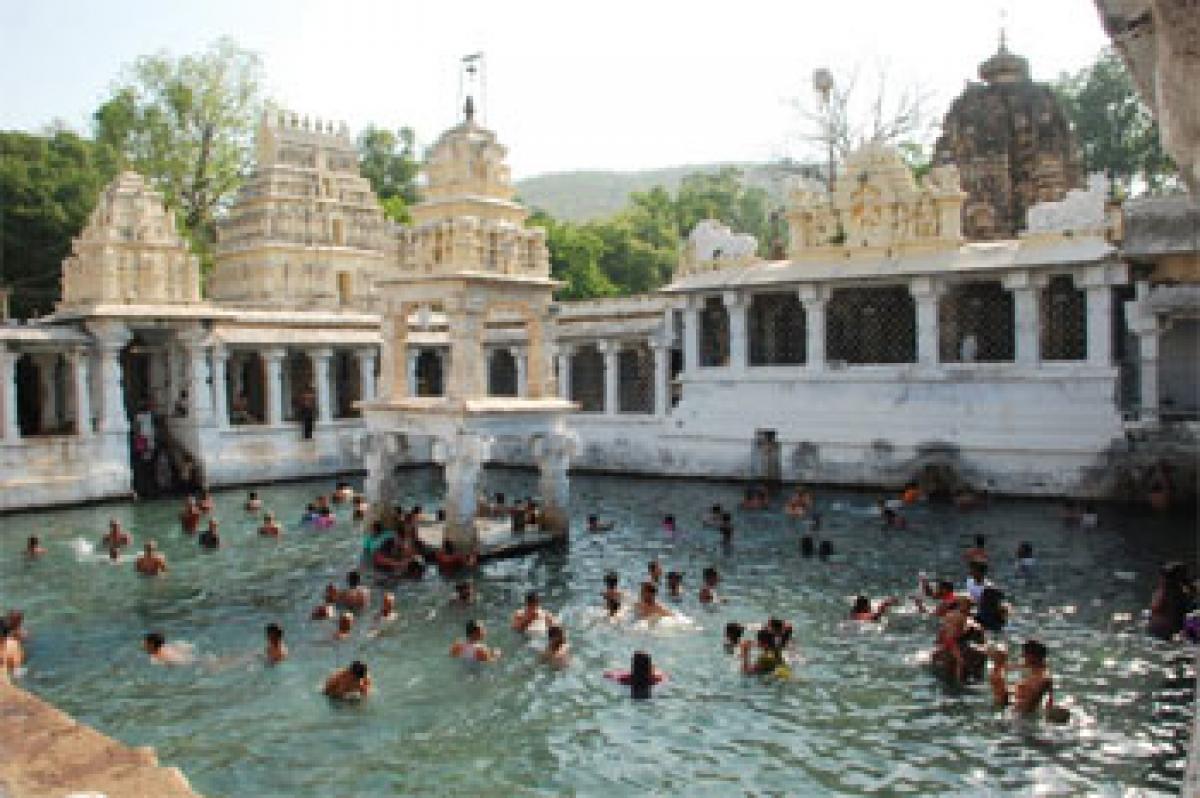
601,85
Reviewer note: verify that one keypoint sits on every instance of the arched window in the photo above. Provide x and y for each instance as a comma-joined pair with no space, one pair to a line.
502,373
976,323
1063,317
871,324
776,329
635,373
587,379
714,333
429,373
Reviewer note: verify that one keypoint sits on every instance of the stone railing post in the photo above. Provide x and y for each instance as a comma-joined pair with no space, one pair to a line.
814,298
1024,289
925,290
612,375
220,388
82,389
662,376
691,333
737,306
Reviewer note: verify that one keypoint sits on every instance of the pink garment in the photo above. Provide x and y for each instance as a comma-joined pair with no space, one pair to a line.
324,521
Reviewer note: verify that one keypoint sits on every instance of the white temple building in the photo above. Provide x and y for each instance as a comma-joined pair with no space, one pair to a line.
883,349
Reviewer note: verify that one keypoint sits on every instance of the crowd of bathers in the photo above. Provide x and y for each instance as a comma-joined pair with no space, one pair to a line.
394,547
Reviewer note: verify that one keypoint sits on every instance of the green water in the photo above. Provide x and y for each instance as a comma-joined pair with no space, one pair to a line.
861,716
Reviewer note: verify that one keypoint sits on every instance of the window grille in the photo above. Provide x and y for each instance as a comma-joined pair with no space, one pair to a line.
429,373
777,329
871,324
714,333
635,386
1063,317
976,323
502,373
587,379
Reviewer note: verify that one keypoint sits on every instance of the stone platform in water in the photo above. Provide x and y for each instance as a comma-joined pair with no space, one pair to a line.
45,752
497,541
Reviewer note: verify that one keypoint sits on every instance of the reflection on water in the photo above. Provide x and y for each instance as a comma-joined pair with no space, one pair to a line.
860,716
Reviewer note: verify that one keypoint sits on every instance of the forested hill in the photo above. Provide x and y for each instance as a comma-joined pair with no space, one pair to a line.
588,195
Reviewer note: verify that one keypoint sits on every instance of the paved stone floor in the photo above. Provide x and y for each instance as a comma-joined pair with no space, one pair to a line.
44,753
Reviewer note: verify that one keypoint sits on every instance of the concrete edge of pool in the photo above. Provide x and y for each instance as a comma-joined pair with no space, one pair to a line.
45,752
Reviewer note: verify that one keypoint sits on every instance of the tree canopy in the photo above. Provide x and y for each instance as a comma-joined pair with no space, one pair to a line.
1116,131
388,161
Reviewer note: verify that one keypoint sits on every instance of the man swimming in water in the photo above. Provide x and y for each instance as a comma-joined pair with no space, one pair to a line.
675,584
1037,684
861,611
464,594
654,571
328,607
349,683
387,608
34,548
473,648
531,613
253,503
164,653
594,524
151,562
270,527
611,591
189,519
557,653
648,607
276,650
210,538
770,657
708,591
356,597
345,626
115,536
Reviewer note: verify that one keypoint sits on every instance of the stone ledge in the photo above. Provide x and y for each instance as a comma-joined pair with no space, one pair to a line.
44,752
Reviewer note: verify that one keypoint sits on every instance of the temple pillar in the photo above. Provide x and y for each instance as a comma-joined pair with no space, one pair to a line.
366,374
925,291
199,388
612,375
111,339
320,363
1099,325
9,430
82,392
662,376
691,334
273,358
736,307
553,455
462,458
564,371
521,356
1025,318
47,363
220,389
410,371
814,298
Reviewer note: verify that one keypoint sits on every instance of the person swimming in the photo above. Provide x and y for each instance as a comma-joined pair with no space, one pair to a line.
769,661
328,607
977,580
808,547
210,538
473,649
733,636
668,525
641,677
978,552
726,529
594,524
675,584
206,503
387,608
115,536
998,678
253,503
708,590
464,593
270,527
356,596
276,649
164,653
1025,559
1037,685
825,550
150,562
12,653
345,626
349,683
531,615
34,548
189,519
557,653
648,607
611,580
862,611
654,571
714,516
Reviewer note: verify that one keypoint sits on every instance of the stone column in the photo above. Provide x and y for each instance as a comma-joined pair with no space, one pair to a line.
320,362
1025,312
80,369
9,430
220,391
564,371
1148,340
521,356
199,389
612,375
366,374
691,333
553,455
1099,325
410,371
736,306
463,457
111,338
47,363
925,291
273,358
814,299
662,376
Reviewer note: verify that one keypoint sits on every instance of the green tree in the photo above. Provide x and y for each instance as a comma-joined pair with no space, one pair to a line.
574,258
1116,132
724,196
388,160
187,124
48,186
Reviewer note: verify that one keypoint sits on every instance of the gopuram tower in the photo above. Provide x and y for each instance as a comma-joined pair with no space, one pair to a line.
1012,144
470,262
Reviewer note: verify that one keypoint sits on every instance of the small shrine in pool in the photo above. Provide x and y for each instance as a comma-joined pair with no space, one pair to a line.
473,266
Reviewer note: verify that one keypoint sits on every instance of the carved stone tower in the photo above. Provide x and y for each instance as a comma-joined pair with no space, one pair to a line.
1013,146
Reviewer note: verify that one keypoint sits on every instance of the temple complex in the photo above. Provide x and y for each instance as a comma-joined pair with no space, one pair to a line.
987,326
1012,144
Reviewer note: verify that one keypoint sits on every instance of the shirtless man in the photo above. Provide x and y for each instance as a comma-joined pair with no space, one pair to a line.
531,613
150,562
611,591
12,656
464,594
115,537
978,552
648,607
210,538
253,503
276,650
387,609
708,592
34,547
1036,685
675,584
270,527
206,502
355,596
861,610
654,571
558,652
162,652
189,519
328,607
345,626
349,683
473,648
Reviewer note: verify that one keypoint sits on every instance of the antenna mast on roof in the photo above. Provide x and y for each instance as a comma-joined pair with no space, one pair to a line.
472,86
